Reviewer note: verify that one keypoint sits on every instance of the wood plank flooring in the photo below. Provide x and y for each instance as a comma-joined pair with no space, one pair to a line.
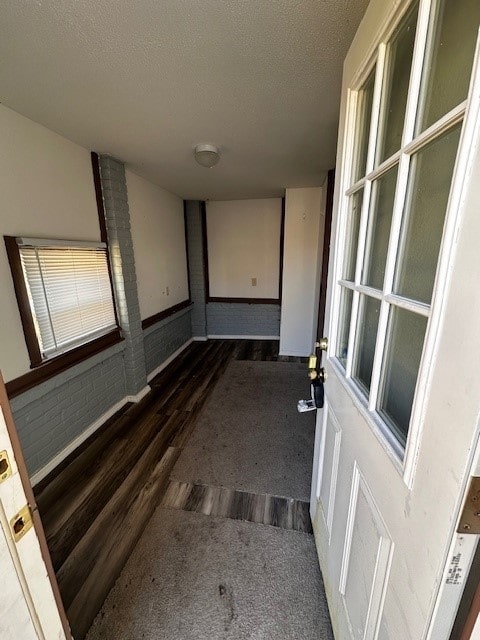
285,513
97,503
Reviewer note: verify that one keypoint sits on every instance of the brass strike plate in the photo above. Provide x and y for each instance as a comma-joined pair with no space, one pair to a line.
5,466
21,523
470,518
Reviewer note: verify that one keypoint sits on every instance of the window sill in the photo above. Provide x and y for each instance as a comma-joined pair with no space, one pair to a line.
54,366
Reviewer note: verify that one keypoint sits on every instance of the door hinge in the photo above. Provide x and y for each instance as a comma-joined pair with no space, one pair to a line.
21,522
5,466
470,517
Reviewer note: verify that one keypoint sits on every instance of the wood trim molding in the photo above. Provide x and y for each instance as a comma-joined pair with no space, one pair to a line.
246,300
97,181
229,300
326,252
23,302
186,249
282,247
203,212
53,367
166,313
102,223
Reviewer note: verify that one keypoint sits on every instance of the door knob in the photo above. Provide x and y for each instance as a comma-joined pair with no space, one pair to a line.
322,344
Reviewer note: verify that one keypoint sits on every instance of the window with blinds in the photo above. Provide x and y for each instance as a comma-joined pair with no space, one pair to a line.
69,292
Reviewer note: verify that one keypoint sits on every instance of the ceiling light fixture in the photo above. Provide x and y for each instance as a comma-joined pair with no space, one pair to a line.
207,155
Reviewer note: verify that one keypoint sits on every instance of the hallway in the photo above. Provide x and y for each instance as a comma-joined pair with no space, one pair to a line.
219,445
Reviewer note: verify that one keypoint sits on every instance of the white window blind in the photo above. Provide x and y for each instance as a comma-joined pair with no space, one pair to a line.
69,292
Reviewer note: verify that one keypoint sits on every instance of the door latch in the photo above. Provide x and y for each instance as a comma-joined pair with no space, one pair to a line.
470,517
21,523
5,466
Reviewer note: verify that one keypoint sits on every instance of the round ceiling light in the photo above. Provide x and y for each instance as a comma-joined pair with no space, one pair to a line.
207,155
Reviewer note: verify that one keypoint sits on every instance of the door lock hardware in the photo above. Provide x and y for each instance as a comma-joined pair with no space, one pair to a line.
21,523
312,361
317,399
322,344
312,374
5,466
470,518
320,374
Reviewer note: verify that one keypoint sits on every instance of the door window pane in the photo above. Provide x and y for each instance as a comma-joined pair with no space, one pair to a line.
353,226
430,178
406,333
399,63
366,337
345,315
449,62
380,218
364,115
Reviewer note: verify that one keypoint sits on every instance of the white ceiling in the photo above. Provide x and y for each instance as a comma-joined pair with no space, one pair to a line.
146,80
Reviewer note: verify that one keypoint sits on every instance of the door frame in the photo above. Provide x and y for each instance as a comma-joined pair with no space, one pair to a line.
27,488
325,252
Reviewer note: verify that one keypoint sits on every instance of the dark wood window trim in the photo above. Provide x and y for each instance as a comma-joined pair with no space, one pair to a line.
54,366
23,302
102,223
43,370
97,182
229,300
166,313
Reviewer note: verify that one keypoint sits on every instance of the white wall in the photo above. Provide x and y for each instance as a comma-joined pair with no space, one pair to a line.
47,191
244,243
158,233
302,258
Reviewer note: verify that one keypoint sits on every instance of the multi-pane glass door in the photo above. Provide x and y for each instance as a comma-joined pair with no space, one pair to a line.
408,115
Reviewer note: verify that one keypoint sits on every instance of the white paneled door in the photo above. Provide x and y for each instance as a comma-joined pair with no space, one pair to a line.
28,609
396,441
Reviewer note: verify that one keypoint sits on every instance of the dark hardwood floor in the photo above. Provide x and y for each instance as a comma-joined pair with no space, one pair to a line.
276,511
97,503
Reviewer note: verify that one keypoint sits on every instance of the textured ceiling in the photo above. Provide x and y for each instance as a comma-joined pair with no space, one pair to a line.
146,80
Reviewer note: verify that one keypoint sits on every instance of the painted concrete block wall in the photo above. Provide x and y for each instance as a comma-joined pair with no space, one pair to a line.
195,260
221,319
165,337
238,319
46,191
60,203
158,234
244,243
304,223
50,416
122,258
